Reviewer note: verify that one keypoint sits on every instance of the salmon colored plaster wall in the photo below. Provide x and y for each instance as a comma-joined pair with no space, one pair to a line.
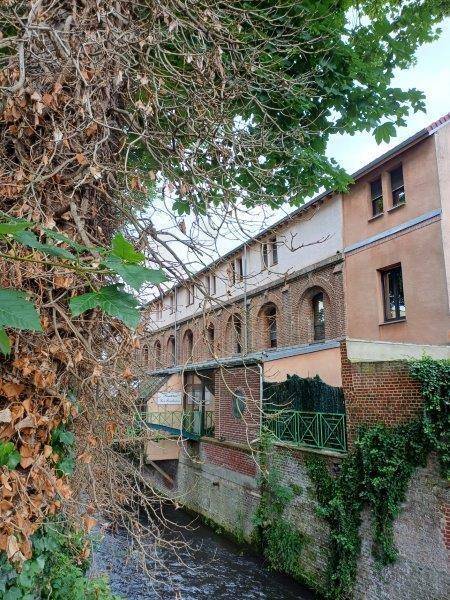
173,384
326,364
421,190
420,253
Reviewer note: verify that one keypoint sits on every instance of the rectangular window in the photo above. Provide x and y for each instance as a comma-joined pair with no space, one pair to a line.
210,284
190,294
159,310
376,195
239,269
397,186
232,273
171,303
274,250
393,296
265,255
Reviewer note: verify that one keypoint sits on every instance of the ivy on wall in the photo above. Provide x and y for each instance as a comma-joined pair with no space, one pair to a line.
376,474
279,542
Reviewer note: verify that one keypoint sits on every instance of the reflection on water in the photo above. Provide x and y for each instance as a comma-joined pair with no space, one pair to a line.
214,568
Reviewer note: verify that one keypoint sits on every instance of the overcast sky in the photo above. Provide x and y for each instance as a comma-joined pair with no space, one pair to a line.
431,74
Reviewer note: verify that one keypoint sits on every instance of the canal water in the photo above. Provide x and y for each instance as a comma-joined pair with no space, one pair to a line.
209,567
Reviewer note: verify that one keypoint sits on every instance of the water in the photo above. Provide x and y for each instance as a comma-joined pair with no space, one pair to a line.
214,568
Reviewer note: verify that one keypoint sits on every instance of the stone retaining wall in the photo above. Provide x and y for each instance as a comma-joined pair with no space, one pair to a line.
230,497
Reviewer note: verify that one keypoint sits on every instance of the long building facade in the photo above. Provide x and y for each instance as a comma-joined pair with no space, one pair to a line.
346,288
327,306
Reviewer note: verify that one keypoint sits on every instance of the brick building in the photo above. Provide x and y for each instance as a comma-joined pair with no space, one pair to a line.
347,287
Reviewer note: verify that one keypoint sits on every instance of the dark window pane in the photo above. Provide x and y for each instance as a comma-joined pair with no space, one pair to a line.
397,178
376,188
397,186
239,404
237,326
398,196
271,323
319,317
376,193
265,256
273,243
394,299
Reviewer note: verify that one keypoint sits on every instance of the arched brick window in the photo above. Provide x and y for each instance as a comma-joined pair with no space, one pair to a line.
188,345
210,338
318,307
315,316
234,334
158,354
145,355
269,325
171,351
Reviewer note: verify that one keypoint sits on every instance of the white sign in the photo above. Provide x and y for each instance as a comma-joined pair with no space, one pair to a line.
174,397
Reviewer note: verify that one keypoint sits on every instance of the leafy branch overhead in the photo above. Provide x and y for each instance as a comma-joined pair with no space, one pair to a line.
16,311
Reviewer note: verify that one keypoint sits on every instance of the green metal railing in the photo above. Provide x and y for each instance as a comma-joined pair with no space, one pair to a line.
325,431
192,422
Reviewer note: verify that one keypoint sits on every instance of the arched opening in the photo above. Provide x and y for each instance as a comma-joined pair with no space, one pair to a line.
158,354
171,351
145,355
318,307
188,345
237,334
233,334
210,338
269,325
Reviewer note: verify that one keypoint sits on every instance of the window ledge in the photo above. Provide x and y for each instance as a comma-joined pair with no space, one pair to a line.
401,320
375,217
396,207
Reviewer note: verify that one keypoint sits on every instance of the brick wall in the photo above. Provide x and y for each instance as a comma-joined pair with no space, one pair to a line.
378,392
230,458
227,381
292,300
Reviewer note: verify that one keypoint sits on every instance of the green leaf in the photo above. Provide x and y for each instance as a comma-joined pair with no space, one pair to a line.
9,456
384,132
66,466
80,304
16,311
28,238
134,275
113,300
14,227
5,342
124,250
117,303
60,237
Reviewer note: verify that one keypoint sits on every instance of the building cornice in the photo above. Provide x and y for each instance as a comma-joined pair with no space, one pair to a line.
393,230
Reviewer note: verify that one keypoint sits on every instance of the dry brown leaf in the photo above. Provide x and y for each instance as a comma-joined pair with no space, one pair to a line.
89,523
5,416
12,390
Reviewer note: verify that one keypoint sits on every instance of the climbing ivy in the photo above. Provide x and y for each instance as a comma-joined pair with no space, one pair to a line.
280,543
376,474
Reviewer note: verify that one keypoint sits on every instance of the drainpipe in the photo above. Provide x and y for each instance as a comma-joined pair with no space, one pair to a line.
245,301
261,397
175,300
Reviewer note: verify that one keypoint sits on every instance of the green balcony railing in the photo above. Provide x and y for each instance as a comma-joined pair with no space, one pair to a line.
194,423
324,431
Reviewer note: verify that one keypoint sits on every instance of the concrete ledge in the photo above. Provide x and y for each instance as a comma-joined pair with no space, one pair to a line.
371,351
293,447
